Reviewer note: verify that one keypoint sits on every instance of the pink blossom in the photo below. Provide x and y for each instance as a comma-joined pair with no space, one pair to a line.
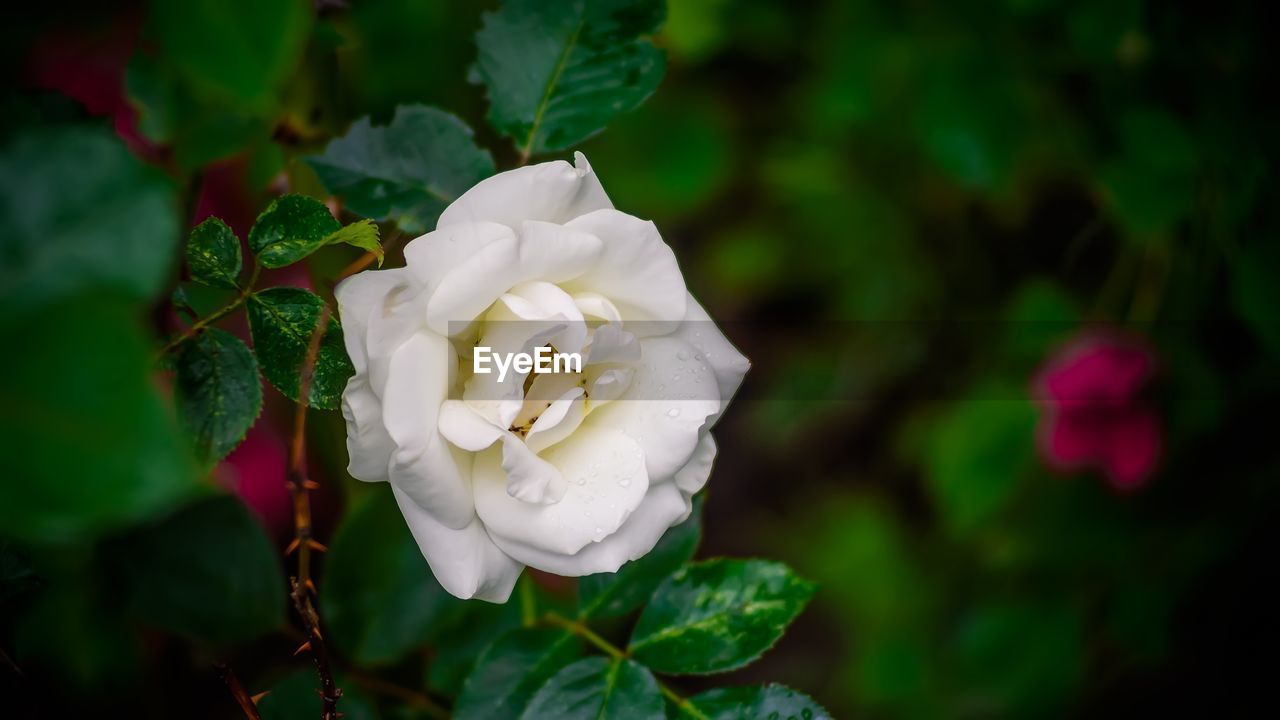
1095,415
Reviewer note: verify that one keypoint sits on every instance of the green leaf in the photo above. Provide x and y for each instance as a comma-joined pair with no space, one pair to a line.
291,228
558,72
599,688
758,702
207,572
614,594
718,615
78,212
235,51
282,321
297,697
406,172
511,670
380,601
213,254
465,635
362,234
98,447
218,392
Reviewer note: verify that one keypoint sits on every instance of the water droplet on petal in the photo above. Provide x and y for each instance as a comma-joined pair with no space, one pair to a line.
683,355
624,482
673,412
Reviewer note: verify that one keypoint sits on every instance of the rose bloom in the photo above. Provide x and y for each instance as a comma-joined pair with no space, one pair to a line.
1095,415
570,473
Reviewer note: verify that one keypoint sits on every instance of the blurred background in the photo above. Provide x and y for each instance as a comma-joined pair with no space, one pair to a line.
1006,271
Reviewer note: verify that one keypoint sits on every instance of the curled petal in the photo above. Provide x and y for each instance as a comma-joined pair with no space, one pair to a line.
637,270
465,560
663,506
552,191
605,482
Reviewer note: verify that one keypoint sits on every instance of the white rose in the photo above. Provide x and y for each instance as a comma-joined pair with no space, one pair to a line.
489,482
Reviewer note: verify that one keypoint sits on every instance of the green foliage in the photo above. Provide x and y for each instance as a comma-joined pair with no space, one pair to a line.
207,572
464,635
362,234
718,615
508,674
78,213
558,72
381,601
406,172
598,688
1256,294
93,446
213,254
613,594
218,392
235,51
758,702
282,321
291,228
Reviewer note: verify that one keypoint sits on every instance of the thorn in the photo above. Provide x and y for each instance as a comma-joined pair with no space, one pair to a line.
258,698
302,648
312,587
292,546
317,546
310,485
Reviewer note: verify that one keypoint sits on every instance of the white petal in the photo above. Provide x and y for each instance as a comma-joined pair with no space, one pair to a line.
542,252
558,421
369,447
729,365
530,479
693,476
466,428
606,481
553,191
637,270
465,560
432,257
610,343
423,465
662,507
670,398
360,301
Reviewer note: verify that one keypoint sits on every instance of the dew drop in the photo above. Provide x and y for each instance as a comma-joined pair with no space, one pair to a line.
683,355
673,412
624,482
698,357
582,481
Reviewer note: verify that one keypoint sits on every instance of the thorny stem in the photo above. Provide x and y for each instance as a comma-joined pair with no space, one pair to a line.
214,316
243,699
303,588
577,627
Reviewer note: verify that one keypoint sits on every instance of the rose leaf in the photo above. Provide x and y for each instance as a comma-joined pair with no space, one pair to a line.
558,72
282,321
718,615
599,688
406,172
218,392
758,701
213,254
613,594
511,670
